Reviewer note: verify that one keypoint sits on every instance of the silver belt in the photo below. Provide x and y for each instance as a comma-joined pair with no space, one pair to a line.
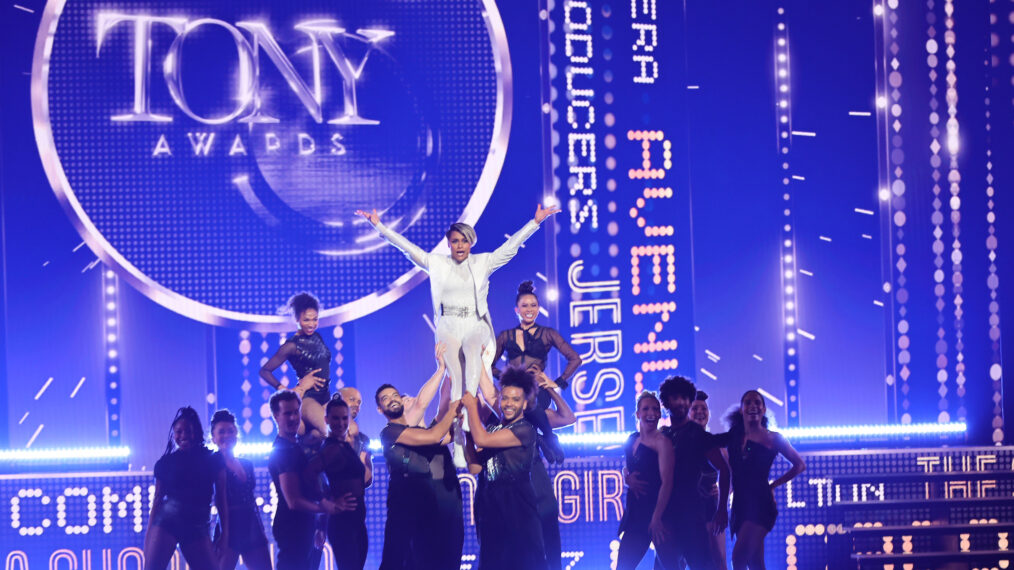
456,311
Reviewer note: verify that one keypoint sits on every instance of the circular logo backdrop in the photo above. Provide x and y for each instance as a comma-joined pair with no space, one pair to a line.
215,152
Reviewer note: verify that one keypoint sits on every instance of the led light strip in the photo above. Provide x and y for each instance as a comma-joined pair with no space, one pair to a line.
110,299
577,439
64,453
853,432
788,267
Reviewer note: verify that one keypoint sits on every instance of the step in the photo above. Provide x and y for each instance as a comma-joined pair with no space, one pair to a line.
973,556
931,529
929,477
928,503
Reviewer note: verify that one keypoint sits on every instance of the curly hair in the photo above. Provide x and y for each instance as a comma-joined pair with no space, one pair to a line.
676,386
300,302
518,378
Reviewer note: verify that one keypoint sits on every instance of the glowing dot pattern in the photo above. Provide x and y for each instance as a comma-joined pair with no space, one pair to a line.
111,333
993,280
790,314
954,181
656,252
937,217
646,172
889,110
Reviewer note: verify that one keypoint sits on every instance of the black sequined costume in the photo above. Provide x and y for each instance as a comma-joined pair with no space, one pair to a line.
245,529
506,510
307,353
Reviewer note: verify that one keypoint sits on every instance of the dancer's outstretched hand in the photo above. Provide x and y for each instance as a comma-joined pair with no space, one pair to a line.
371,217
455,407
468,400
540,213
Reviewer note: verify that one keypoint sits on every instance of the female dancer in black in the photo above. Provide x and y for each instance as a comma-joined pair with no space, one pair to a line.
506,516
529,343
185,477
246,533
348,476
752,449
650,455
310,358
700,413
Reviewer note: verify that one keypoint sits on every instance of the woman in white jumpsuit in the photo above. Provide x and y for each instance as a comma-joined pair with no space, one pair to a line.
459,285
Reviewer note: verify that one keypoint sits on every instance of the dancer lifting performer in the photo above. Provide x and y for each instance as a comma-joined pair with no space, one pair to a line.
459,285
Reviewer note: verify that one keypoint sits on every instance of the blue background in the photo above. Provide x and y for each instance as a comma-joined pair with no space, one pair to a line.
729,215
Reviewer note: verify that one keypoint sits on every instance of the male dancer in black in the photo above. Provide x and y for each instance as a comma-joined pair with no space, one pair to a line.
294,526
549,419
425,525
694,448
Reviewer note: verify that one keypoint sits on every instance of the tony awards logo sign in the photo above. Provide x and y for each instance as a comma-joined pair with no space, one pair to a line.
215,152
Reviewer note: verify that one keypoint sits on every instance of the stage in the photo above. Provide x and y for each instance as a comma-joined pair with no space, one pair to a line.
804,199
97,519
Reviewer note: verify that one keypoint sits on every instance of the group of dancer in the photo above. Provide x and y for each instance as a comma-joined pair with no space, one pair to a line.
678,480
320,465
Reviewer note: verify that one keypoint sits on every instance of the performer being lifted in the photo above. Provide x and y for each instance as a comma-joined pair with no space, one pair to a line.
459,284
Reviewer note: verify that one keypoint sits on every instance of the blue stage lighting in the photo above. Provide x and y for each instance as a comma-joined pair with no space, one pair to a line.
58,454
883,430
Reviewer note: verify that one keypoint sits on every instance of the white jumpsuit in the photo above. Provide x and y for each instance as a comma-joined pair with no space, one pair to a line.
460,328
459,292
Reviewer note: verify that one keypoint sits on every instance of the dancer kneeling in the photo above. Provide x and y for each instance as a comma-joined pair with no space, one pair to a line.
506,514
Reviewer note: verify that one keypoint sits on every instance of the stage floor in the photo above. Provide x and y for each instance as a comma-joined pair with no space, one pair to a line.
97,519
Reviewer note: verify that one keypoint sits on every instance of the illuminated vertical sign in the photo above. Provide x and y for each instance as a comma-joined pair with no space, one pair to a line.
620,142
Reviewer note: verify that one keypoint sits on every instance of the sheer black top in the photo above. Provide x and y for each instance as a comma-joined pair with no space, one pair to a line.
240,493
344,470
537,340
510,463
411,460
